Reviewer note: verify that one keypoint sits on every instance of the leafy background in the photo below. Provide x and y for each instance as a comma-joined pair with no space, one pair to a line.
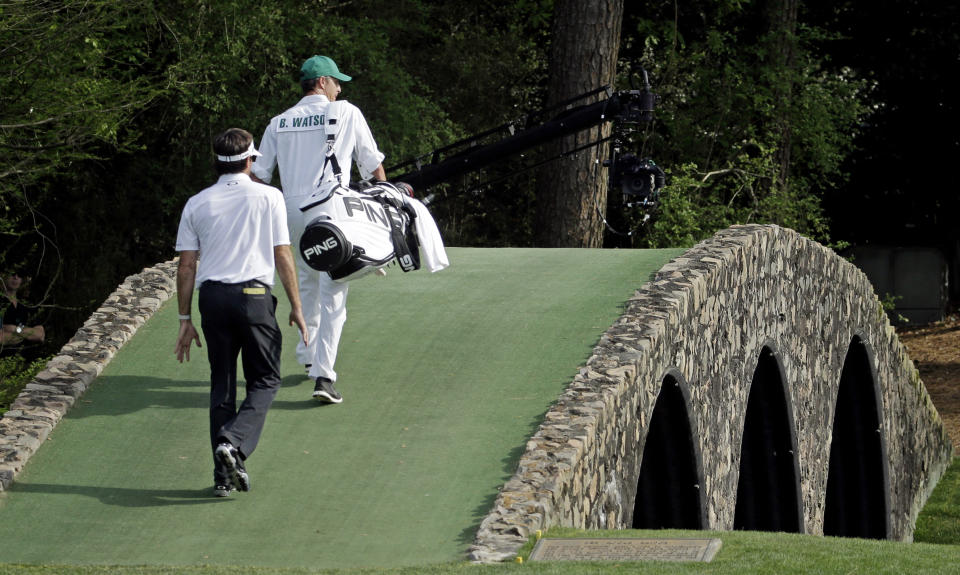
107,110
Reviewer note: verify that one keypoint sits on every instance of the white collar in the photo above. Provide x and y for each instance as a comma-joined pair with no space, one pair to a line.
234,177
314,98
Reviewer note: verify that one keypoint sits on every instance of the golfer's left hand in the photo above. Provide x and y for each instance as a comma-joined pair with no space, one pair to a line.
187,334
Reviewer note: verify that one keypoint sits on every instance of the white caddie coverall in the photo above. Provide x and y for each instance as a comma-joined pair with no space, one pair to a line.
296,142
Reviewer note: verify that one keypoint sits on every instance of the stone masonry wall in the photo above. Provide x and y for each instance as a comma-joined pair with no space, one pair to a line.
46,399
704,320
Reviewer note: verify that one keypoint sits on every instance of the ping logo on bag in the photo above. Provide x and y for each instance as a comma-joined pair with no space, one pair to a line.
358,209
406,262
318,249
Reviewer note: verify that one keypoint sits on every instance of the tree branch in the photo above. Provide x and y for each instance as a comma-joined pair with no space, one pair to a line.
70,113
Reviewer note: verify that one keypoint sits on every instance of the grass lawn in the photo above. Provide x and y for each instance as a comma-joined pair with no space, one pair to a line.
444,377
742,552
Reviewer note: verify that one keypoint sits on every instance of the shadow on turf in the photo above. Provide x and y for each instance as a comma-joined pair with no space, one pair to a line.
118,395
293,380
307,402
123,496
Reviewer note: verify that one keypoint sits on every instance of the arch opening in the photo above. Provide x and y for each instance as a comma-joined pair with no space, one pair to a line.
668,487
768,491
856,500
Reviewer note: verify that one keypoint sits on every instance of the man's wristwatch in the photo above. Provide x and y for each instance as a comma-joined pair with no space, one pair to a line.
20,328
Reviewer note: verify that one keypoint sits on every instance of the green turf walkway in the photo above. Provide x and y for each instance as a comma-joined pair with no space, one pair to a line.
444,376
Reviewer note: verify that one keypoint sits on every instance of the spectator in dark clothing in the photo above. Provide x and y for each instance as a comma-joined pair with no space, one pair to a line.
16,317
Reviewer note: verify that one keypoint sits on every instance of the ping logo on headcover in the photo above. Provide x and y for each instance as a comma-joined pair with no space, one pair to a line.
318,249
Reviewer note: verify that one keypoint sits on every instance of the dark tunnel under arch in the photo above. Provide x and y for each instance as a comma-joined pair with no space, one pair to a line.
768,491
856,498
668,487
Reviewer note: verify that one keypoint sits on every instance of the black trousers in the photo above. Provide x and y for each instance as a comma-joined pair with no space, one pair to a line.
239,319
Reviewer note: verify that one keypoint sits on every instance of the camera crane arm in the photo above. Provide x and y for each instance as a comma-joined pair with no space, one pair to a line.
628,107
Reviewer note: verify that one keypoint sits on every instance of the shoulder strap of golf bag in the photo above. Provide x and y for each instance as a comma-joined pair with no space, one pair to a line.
332,129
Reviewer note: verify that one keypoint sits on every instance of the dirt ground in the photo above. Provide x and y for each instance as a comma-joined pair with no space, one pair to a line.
935,349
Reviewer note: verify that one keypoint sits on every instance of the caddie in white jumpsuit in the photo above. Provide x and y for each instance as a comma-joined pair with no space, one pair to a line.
296,142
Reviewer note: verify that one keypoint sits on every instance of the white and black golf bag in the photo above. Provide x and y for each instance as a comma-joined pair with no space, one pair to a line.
354,231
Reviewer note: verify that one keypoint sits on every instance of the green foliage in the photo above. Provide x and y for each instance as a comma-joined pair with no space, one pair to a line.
889,304
108,108
889,301
677,223
15,373
484,63
68,92
750,138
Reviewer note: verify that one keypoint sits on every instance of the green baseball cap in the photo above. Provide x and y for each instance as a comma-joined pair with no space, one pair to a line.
321,66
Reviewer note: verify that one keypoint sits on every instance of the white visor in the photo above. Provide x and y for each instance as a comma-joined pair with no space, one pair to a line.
251,151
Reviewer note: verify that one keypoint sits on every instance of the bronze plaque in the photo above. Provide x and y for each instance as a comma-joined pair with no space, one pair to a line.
615,549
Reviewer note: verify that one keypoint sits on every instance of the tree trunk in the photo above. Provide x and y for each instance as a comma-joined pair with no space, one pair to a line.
572,191
781,16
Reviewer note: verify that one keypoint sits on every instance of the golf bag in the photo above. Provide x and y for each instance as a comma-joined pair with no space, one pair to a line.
352,232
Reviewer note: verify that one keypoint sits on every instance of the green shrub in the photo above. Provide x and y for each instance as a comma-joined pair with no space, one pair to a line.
15,373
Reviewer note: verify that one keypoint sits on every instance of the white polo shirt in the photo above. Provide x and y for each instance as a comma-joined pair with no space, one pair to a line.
296,141
234,225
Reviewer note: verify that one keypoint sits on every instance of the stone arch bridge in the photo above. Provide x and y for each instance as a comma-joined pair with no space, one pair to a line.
754,383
